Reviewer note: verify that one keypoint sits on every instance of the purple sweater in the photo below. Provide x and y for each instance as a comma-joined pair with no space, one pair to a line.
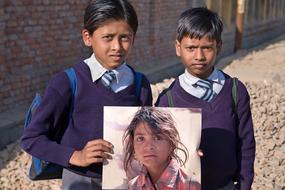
87,120
227,140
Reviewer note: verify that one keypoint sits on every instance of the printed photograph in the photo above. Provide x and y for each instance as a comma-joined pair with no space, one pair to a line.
152,146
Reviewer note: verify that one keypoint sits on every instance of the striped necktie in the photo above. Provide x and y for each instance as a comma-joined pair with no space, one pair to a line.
108,77
207,85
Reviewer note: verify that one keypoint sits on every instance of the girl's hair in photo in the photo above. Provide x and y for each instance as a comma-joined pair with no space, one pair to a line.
161,124
198,22
99,11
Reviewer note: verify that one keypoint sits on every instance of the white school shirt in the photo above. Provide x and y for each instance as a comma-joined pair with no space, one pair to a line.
187,81
124,74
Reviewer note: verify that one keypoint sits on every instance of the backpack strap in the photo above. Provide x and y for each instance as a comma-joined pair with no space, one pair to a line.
138,83
235,107
235,94
73,85
169,98
35,103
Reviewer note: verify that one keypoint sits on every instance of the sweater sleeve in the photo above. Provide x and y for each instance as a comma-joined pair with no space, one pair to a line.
246,139
52,112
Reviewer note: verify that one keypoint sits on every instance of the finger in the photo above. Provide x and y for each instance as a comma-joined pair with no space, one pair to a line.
100,141
98,160
99,147
99,154
95,160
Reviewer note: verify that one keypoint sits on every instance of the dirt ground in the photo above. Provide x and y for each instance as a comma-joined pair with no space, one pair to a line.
265,63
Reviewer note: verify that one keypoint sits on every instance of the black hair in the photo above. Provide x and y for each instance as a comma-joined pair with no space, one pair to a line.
99,11
199,22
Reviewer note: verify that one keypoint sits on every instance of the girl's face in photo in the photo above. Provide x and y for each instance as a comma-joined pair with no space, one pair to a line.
152,150
110,42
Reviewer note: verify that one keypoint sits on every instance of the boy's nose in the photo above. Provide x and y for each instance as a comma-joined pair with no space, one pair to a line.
199,54
116,44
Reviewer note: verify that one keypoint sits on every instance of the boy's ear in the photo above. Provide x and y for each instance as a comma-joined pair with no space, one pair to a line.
178,48
86,37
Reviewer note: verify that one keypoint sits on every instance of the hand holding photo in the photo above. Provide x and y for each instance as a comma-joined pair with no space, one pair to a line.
152,146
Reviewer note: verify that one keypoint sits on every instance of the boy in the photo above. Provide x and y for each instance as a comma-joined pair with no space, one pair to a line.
227,139
104,79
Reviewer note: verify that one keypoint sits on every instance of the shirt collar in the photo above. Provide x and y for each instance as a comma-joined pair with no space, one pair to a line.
167,178
97,70
143,178
169,175
214,76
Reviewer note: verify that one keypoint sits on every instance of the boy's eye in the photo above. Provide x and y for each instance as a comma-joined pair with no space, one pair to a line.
208,48
191,48
108,37
125,38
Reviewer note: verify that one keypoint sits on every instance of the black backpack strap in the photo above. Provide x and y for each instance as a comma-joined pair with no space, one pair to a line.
169,98
235,107
235,94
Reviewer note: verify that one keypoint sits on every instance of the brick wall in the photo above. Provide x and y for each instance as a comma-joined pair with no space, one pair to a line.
40,38
2,49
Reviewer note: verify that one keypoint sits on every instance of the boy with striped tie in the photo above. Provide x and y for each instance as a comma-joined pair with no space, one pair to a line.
103,79
227,139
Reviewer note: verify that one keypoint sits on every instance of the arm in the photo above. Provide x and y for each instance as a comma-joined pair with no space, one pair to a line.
246,138
54,112
53,108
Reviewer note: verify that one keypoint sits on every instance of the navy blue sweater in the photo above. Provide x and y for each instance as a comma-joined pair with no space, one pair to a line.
87,120
227,140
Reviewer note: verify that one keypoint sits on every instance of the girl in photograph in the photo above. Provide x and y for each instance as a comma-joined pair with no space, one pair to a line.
153,141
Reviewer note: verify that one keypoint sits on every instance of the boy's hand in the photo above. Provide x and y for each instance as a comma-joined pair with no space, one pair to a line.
95,151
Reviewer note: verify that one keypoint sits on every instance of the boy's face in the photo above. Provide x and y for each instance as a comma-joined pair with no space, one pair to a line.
151,150
111,42
198,56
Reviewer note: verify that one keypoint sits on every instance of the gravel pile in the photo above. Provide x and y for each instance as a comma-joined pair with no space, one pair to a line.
268,109
14,165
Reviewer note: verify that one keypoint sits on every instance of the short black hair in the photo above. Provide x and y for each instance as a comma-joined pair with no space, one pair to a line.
198,22
99,11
